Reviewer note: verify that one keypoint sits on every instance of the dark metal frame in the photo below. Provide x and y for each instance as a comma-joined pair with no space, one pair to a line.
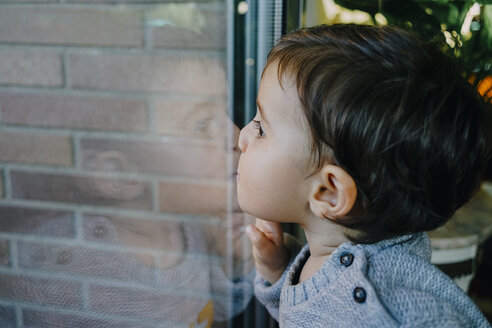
250,37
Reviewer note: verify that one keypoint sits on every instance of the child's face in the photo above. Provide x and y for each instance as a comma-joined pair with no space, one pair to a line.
275,154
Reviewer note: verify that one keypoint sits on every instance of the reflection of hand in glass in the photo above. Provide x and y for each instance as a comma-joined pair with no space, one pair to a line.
229,241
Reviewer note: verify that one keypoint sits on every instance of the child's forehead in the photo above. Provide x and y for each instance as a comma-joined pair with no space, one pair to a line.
284,88
283,76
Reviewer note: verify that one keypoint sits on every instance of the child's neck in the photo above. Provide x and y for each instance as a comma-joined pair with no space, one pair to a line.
323,238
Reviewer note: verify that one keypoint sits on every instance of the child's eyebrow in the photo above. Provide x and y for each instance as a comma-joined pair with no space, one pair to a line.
262,112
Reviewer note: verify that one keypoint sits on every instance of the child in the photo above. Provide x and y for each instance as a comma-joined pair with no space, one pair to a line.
366,137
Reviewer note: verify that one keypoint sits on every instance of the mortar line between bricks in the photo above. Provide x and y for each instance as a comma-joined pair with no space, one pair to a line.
155,196
84,293
7,183
214,53
123,94
63,242
79,230
76,151
104,6
14,253
151,122
120,175
18,317
70,311
115,211
117,135
107,282
77,278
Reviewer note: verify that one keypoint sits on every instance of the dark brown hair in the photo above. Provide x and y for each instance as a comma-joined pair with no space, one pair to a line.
393,112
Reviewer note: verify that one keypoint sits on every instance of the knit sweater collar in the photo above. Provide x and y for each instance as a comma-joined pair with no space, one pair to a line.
295,293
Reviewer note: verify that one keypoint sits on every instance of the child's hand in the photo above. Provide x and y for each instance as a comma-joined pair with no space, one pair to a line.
269,251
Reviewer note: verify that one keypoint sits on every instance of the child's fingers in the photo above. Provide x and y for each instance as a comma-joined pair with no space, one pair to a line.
252,233
272,230
260,242
256,236
270,259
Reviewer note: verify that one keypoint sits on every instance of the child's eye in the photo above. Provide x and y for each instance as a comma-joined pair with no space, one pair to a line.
257,125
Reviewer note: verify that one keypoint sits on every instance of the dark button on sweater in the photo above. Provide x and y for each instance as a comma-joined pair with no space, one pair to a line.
359,295
346,259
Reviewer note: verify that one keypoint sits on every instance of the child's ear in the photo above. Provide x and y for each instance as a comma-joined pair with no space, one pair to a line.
333,194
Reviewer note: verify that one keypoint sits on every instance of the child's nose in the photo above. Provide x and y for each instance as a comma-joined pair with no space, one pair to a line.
243,142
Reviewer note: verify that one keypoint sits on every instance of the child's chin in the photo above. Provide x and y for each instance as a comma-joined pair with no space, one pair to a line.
240,207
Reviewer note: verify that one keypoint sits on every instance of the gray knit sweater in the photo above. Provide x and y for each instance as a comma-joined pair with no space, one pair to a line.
387,284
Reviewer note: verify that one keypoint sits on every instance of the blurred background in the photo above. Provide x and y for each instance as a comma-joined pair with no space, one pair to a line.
118,124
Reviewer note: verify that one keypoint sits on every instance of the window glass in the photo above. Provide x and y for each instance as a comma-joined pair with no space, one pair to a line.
117,194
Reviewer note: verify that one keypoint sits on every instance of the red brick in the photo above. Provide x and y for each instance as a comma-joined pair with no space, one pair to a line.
29,68
202,119
40,290
79,260
80,112
35,148
209,34
166,239
172,74
145,303
86,190
52,319
134,232
212,35
192,198
41,222
70,26
170,159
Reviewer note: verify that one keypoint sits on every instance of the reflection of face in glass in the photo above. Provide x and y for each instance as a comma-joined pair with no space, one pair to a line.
172,249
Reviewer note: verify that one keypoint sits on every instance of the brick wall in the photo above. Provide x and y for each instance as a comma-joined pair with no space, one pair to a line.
113,144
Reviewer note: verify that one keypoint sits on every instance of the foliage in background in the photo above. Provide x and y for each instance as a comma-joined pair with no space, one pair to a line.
463,26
